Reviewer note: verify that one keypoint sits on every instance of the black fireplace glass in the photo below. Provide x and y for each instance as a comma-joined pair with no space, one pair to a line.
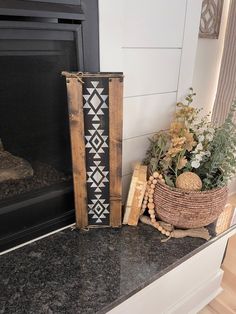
34,125
33,102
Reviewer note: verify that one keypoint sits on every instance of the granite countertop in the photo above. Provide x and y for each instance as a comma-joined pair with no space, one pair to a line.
88,271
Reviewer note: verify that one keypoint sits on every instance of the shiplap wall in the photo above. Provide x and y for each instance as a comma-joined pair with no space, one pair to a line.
154,43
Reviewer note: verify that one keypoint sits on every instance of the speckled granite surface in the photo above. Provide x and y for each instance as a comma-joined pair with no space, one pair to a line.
87,272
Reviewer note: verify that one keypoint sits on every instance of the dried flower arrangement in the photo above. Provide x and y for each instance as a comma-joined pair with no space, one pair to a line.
194,150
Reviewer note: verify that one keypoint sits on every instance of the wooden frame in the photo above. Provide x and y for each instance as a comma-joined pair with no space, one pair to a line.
75,103
115,153
95,113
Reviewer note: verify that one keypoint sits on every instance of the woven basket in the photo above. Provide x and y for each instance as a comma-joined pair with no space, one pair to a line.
189,209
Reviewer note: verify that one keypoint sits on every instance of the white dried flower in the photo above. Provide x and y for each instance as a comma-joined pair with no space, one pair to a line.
194,128
198,157
208,153
195,163
202,130
201,138
199,146
209,137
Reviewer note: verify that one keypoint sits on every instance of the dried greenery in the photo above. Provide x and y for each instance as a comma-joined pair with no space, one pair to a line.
220,166
194,144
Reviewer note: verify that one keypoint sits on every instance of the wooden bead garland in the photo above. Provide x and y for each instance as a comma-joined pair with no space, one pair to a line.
148,201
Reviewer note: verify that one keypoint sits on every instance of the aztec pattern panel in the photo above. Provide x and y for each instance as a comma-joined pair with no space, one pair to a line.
96,135
95,107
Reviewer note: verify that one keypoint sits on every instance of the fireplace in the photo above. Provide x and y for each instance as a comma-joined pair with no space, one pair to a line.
37,41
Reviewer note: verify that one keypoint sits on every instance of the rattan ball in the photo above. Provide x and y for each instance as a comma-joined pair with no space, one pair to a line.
189,181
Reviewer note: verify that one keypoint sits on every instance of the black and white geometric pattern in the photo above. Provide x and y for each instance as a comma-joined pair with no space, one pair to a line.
96,129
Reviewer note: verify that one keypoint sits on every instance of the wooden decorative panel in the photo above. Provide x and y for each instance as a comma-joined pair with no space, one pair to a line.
95,111
210,18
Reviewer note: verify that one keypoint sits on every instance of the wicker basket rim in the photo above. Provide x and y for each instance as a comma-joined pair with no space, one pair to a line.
192,192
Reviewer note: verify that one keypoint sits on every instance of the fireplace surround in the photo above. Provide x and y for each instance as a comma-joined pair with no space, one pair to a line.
39,39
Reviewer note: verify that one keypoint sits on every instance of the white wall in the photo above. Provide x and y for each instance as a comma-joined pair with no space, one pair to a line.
207,66
154,43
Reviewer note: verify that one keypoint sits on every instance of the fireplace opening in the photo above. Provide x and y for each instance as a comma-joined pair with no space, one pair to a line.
36,185
33,113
